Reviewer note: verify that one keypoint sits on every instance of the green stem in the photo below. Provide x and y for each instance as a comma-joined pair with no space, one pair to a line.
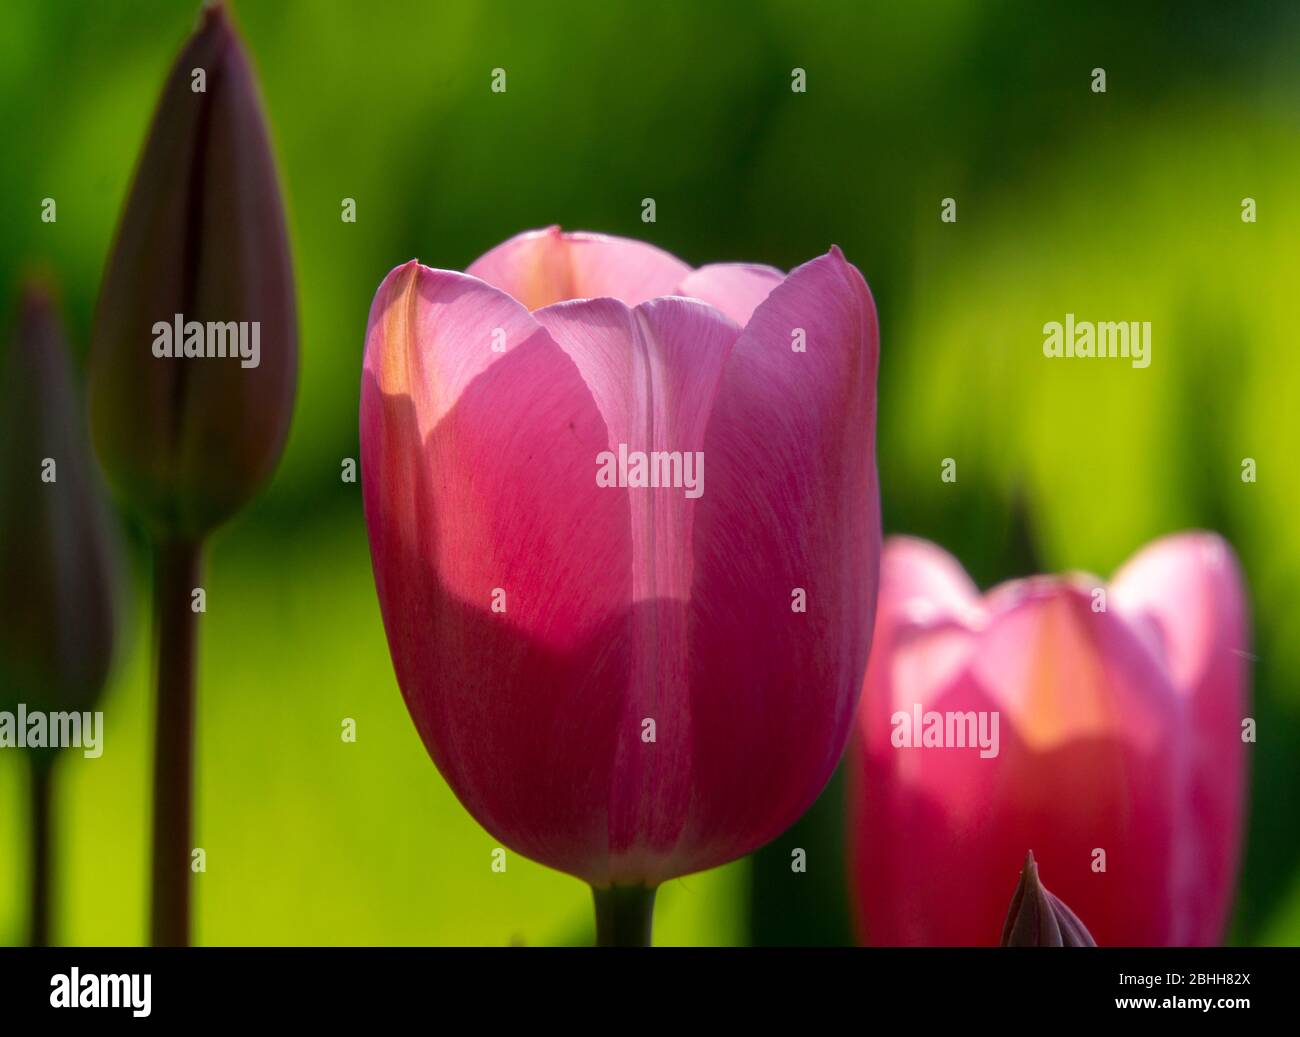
624,915
176,574
42,860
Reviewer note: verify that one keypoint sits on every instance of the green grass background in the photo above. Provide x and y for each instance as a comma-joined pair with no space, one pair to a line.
1123,205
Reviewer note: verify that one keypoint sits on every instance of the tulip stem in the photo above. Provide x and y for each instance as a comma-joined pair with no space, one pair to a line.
176,575
624,915
42,861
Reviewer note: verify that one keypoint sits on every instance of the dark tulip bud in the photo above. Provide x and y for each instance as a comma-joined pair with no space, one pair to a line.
194,355
57,571
1037,918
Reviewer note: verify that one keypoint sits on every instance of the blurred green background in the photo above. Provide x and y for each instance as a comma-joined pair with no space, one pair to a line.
1122,205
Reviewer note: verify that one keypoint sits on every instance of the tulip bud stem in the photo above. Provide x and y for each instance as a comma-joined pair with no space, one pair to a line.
624,915
42,848
176,574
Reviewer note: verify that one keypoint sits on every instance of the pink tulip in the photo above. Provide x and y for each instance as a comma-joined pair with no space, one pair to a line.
618,680
1120,760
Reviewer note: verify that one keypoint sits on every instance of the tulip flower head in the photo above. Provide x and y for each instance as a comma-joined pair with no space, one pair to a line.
619,676
1120,755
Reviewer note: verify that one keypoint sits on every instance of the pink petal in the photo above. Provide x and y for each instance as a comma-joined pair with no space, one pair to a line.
734,288
922,584
792,503
1190,585
925,598
478,474
542,267
1188,589
1057,668
653,372
938,833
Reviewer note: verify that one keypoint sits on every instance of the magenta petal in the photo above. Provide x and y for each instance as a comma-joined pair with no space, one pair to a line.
734,288
503,573
922,585
653,372
1190,585
1188,588
925,616
1061,671
791,513
542,267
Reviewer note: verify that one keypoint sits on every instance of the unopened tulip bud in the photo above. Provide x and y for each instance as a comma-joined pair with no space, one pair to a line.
193,370
56,571
194,355
1037,918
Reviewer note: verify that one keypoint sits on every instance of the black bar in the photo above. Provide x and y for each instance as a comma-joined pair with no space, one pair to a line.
454,988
